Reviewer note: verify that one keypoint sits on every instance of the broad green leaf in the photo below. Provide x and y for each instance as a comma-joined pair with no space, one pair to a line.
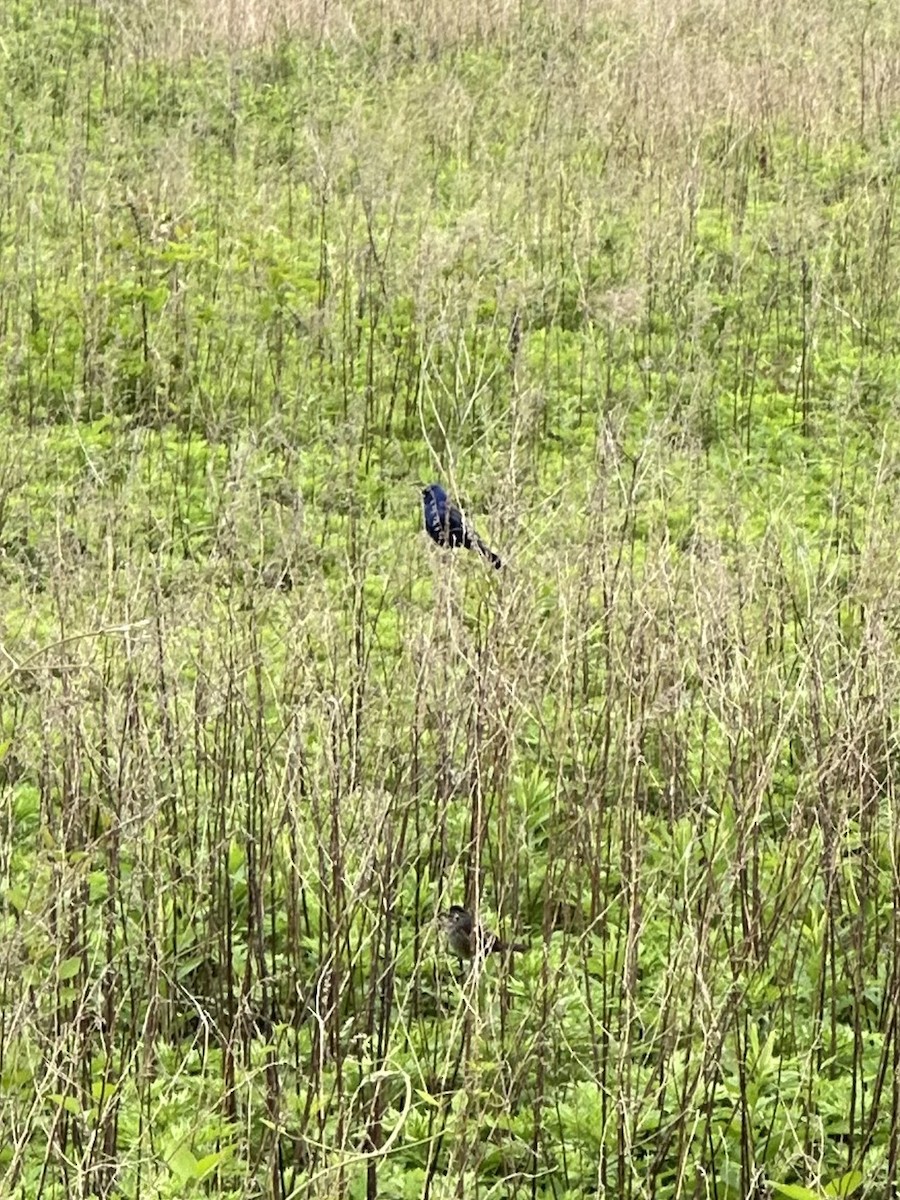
16,898
181,1162
69,1103
208,1163
845,1186
794,1191
99,886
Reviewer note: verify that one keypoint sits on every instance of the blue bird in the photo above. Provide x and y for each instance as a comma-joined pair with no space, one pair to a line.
446,525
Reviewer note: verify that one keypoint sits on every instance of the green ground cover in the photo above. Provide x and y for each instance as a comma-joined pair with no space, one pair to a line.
627,280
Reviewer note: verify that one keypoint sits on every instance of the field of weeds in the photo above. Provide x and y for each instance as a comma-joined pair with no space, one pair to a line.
625,277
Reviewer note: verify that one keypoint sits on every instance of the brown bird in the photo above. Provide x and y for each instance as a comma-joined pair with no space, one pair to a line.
466,940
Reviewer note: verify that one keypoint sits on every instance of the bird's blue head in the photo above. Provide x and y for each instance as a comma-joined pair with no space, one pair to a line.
434,494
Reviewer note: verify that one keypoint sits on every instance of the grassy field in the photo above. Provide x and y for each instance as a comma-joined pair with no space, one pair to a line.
626,278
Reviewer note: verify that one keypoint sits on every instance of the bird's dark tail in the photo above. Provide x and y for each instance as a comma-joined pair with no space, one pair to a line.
494,559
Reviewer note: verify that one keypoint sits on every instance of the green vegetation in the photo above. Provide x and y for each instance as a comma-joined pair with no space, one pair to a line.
625,277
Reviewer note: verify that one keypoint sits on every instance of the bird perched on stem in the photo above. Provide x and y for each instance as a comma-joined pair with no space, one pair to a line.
467,940
446,525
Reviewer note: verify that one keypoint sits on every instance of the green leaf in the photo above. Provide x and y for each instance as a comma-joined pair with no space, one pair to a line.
16,898
208,1163
98,884
844,1186
69,1103
794,1191
181,1162
69,967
